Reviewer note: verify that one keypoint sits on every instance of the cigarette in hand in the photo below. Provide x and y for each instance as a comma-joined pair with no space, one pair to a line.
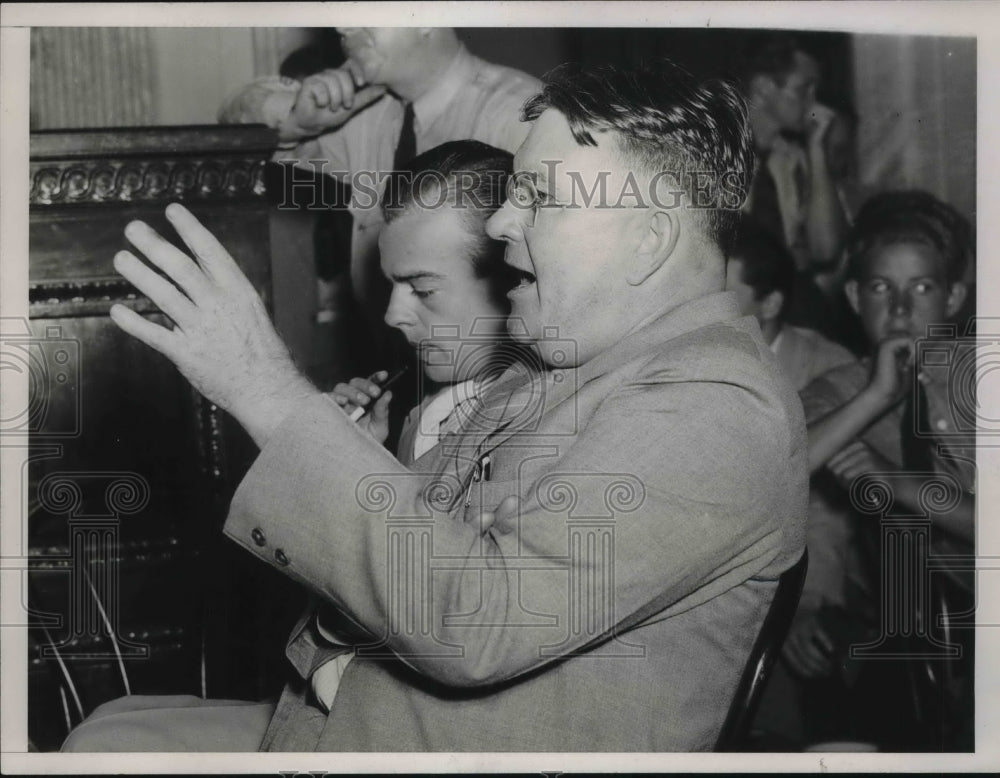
361,410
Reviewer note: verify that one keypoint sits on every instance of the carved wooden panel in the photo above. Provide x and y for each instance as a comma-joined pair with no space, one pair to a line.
133,470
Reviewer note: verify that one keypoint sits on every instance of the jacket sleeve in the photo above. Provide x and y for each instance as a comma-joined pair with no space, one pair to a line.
672,494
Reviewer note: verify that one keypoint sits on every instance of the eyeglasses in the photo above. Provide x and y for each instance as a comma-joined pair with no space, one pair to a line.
523,194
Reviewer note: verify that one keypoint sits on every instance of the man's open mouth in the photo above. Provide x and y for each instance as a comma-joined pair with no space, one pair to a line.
524,279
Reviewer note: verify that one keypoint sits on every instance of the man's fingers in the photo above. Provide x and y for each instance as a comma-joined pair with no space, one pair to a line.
159,338
316,89
158,289
334,90
211,255
351,394
345,83
368,94
170,259
505,515
364,385
380,411
507,507
356,71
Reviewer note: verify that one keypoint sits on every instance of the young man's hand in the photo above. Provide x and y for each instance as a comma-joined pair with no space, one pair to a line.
818,122
359,393
331,97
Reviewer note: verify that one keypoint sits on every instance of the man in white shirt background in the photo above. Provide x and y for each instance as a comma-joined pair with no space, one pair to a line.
401,92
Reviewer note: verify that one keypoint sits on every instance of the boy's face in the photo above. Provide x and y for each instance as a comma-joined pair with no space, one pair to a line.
902,290
436,296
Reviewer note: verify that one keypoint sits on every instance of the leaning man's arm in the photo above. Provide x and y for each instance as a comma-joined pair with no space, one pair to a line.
701,512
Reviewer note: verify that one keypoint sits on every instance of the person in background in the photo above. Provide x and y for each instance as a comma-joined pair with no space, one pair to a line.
895,415
449,285
401,91
761,271
795,195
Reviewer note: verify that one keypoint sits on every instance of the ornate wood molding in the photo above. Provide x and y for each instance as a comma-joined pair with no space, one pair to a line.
151,180
148,164
92,297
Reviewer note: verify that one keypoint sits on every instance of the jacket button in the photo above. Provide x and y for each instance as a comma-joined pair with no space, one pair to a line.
280,558
258,536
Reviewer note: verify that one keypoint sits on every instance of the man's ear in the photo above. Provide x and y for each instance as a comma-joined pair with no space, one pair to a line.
771,305
662,232
851,291
956,297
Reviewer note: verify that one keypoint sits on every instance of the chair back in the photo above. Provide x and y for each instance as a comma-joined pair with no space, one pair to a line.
763,654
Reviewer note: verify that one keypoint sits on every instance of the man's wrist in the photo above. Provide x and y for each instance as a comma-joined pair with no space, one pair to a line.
261,412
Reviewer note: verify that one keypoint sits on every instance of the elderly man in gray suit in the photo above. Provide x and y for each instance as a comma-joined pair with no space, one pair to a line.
590,559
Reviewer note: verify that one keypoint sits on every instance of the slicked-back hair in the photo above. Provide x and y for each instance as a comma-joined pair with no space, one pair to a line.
694,133
911,216
766,264
466,175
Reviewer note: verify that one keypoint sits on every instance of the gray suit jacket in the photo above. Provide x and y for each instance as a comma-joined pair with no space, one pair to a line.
663,490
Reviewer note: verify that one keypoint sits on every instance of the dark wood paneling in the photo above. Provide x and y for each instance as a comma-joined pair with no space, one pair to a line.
128,510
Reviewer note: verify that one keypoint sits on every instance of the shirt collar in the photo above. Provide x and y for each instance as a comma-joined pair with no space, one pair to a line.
774,343
433,102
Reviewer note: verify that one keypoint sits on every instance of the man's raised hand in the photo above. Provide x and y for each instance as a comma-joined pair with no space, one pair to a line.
223,341
331,97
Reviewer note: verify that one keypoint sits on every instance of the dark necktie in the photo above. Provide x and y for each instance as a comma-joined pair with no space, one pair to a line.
917,453
406,147
406,150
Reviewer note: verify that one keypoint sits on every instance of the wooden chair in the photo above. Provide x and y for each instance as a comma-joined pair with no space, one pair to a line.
763,655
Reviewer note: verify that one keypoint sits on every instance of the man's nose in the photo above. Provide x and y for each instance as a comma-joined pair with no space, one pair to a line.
504,224
398,314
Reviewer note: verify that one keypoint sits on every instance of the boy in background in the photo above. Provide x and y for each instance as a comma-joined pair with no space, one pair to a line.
885,414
